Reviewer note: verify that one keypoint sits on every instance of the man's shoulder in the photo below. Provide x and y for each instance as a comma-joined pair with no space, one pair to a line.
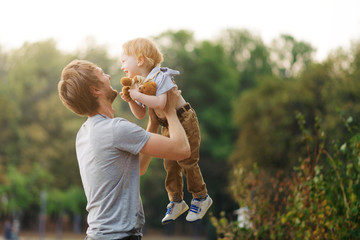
101,123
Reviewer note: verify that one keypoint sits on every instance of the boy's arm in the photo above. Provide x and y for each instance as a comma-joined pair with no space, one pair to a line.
138,111
155,102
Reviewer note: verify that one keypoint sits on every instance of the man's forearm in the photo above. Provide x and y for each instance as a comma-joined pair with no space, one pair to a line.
178,134
152,127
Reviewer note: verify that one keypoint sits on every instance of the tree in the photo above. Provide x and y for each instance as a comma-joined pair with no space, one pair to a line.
249,56
265,116
289,57
21,188
266,125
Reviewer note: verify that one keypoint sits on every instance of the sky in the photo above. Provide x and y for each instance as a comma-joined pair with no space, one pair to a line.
325,24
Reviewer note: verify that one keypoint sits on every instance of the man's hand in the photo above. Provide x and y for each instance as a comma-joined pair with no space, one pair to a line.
172,99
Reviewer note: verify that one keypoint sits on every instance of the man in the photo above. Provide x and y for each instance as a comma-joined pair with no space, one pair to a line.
112,152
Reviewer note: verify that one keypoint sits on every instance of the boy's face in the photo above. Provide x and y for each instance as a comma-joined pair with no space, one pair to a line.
129,65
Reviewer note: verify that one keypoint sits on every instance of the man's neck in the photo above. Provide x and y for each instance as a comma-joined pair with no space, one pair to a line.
105,108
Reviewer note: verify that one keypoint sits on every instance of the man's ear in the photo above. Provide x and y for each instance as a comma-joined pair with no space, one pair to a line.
141,61
95,91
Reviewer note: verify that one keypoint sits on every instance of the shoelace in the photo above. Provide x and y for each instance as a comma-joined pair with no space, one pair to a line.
169,208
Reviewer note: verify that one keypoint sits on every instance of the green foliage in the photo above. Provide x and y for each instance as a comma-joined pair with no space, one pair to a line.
71,200
320,200
21,188
290,56
267,130
326,202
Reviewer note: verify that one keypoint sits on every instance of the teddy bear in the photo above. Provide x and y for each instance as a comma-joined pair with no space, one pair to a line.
148,88
145,87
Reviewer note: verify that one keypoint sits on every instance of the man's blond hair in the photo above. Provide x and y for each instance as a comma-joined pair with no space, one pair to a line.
74,87
144,47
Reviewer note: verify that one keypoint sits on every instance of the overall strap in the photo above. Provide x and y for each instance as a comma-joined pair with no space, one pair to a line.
150,79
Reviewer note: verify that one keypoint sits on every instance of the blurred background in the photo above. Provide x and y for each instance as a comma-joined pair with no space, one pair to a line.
275,84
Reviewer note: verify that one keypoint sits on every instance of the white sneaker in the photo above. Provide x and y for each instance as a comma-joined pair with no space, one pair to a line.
174,210
198,208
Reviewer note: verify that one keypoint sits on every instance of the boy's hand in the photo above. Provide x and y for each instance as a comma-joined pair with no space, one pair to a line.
135,94
172,99
125,98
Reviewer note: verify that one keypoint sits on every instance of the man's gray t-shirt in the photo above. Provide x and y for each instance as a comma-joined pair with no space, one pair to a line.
108,155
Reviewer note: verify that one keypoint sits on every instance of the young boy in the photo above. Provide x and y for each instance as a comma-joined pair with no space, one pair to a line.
142,57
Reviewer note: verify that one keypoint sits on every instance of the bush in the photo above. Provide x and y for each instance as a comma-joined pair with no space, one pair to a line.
319,200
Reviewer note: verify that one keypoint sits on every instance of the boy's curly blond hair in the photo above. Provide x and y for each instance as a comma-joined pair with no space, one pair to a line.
144,47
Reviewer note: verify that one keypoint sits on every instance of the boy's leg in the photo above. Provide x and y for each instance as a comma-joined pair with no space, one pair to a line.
195,182
174,187
174,180
201,201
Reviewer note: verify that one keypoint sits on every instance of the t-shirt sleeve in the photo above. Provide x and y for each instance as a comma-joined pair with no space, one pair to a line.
128,136
164,83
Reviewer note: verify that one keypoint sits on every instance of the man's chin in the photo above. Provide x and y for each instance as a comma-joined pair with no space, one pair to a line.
112,95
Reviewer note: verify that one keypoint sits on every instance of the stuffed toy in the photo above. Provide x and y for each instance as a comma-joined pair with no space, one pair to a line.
145,87
148,88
